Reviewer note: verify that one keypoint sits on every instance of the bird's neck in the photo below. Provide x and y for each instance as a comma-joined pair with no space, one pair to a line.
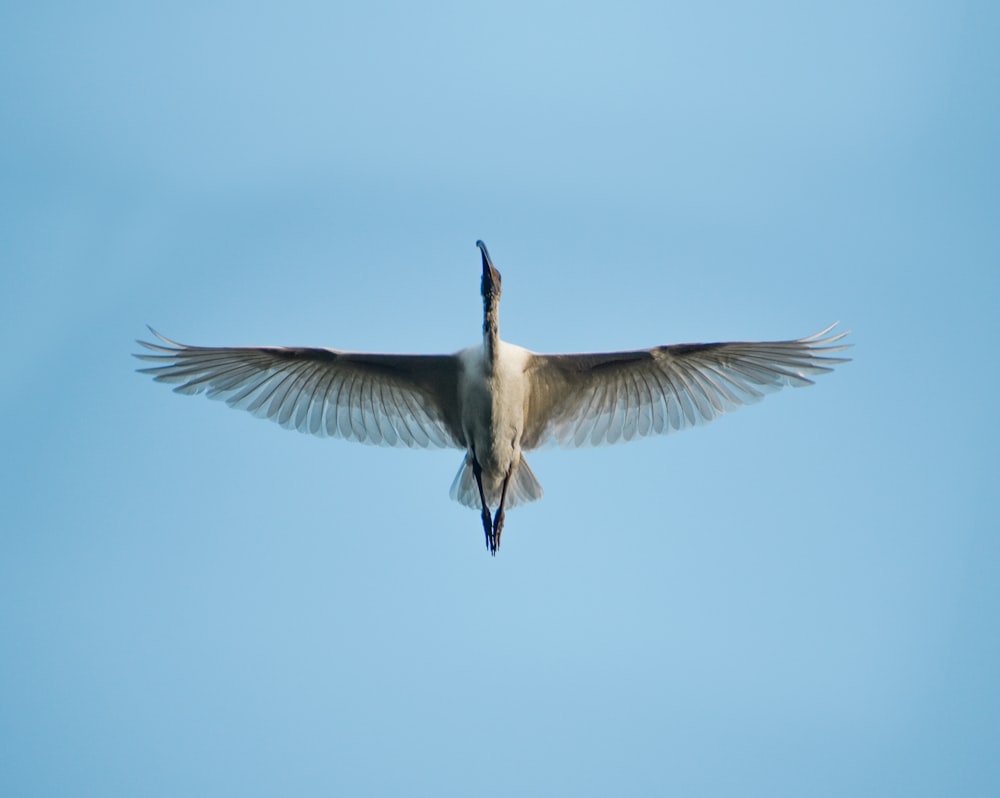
491,329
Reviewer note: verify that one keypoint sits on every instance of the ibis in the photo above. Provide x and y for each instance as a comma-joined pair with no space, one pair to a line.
494,401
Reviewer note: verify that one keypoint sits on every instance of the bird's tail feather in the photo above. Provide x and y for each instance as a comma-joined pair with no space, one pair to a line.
523,487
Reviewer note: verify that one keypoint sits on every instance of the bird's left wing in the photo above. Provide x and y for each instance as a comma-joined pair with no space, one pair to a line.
596,399
391,400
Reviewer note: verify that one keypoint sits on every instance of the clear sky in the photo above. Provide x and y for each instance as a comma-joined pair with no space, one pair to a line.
799,599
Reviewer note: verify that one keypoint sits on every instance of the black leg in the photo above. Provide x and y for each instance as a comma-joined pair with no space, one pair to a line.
498,518
477,472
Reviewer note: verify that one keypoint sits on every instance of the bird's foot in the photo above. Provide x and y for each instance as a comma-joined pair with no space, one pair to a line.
488,530
497,529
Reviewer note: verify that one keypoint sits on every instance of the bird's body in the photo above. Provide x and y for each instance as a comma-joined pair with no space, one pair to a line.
493,396
494,400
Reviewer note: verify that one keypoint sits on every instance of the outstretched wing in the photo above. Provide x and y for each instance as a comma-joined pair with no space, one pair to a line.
392,400
595,399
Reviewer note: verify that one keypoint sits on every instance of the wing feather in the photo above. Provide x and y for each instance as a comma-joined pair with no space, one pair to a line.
596,399
390,400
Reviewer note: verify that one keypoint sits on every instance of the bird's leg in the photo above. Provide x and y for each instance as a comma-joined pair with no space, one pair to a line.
498,518
477,472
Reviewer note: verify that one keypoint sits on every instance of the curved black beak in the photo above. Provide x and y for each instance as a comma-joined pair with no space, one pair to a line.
491,277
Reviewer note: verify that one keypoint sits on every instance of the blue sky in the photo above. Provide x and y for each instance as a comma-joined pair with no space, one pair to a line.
798,599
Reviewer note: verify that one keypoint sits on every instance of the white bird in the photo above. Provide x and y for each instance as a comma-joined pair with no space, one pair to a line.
495,400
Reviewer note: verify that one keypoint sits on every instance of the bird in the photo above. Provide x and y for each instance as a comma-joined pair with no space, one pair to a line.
494,400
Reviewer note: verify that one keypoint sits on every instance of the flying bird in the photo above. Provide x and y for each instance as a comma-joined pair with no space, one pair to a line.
495,400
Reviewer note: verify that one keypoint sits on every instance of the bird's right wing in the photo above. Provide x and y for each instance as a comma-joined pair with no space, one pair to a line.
392,400
596,399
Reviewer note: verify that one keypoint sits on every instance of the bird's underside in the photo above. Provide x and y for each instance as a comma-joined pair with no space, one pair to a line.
412,400
494,401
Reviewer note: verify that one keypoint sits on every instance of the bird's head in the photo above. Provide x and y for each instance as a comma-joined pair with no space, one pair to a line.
491,277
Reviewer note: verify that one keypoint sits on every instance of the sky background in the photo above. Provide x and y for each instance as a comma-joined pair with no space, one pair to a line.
798,599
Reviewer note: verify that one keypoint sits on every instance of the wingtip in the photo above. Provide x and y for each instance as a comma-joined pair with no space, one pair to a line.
164,338
822,340
171,347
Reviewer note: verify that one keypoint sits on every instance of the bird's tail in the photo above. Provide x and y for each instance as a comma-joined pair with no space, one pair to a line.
523,487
